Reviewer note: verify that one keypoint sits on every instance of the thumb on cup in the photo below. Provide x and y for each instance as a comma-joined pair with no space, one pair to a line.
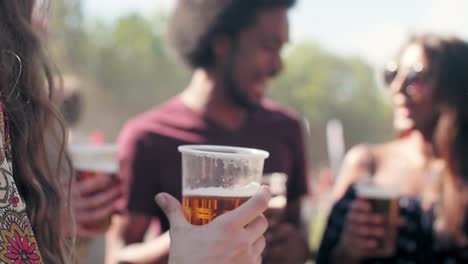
172,208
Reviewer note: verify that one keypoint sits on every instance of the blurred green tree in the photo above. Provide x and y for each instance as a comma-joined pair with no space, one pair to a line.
324,86
68,40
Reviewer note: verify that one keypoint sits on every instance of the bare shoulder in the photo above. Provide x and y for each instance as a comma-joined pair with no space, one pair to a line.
360,154
356,165
380,153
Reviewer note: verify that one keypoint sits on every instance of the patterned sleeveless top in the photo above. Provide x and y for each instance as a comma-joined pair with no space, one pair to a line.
17,241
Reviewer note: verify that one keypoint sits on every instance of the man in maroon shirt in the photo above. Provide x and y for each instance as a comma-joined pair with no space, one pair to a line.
233,48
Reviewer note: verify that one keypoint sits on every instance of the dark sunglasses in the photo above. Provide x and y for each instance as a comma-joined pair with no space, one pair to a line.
416,73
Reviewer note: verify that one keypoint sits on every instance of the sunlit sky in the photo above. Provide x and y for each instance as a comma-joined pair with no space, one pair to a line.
367,28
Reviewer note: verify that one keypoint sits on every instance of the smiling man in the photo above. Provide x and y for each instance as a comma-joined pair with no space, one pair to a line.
233,48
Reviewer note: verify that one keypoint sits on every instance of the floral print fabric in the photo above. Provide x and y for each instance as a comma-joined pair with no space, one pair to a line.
17,242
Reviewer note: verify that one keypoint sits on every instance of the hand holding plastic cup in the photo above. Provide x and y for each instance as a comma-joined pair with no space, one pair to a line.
384,201
91,162
218,179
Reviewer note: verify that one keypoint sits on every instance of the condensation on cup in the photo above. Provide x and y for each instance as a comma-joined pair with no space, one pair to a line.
218,179
91,161
384,201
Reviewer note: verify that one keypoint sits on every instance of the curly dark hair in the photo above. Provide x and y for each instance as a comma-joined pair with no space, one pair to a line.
194,23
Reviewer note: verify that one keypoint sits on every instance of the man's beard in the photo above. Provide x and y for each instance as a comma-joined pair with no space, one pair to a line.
233,92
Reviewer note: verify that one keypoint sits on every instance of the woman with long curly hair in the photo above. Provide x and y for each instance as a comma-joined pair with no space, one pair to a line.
32,205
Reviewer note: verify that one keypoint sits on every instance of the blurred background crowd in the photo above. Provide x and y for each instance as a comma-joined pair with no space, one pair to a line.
333,62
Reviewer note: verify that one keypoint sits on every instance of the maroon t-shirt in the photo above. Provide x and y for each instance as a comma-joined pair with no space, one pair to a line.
150,162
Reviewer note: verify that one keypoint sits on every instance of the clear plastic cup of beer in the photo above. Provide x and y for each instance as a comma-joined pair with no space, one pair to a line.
218,179
91,161
277,183
384,201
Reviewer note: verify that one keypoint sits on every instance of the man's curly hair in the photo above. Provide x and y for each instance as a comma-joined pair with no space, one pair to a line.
194,23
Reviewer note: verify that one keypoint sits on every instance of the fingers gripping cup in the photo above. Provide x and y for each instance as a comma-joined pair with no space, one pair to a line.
384,201
91,161
218,179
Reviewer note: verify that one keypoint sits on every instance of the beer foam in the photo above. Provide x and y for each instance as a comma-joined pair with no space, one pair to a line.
110,167
377,192
96,158
277,202
236,191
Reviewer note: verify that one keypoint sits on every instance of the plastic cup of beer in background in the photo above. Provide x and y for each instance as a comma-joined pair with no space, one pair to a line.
277,183
218,179
91,161
384,201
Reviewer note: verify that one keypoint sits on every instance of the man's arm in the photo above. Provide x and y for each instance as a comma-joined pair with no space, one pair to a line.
125,241
298,180
137,172
285,243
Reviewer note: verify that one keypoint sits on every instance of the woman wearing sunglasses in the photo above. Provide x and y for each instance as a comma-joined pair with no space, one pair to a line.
429,93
